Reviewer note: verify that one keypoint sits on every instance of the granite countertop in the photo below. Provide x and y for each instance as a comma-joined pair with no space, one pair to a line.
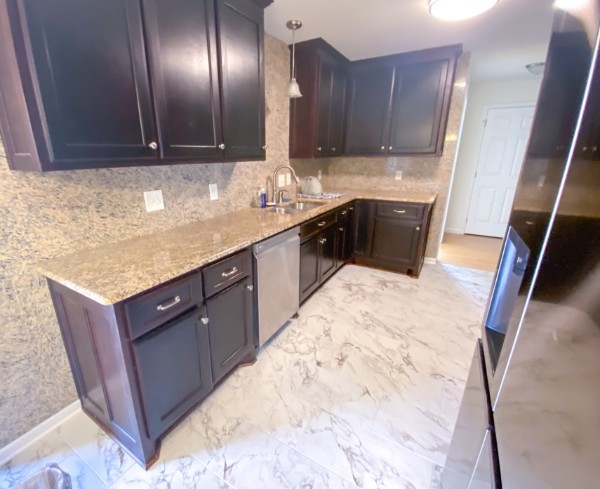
114,272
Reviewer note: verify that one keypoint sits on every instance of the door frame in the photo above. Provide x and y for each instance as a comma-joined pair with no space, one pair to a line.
480,137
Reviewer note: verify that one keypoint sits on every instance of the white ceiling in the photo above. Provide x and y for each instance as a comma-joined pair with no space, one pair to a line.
502,40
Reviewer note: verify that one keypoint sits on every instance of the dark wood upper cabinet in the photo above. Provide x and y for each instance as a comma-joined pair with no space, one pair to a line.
241,33
94,84
368,114
183,61
317,118
399,104
89,65
419,91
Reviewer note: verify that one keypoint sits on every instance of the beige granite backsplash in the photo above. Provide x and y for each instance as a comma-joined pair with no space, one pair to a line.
52,214
418,172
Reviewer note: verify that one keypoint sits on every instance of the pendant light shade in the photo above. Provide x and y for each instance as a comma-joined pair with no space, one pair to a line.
454,10
294,88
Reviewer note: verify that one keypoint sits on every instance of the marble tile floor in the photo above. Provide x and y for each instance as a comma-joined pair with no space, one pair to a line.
362,390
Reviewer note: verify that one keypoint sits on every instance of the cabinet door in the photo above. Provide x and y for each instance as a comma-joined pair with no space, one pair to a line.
367,123
363,228
340,249
309,267
240,36
183,61
396,242
417,107
327,252
330,106
93,81
173,364
230,327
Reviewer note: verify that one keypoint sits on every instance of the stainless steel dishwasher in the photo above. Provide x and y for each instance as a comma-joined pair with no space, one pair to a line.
277,261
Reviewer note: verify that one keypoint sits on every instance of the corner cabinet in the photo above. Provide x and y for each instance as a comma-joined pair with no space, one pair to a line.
399,104
317,118
140,365
131,82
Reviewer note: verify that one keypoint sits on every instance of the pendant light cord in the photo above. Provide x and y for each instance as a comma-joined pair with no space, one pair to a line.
293,54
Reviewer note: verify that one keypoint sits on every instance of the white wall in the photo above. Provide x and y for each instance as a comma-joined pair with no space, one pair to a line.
480,96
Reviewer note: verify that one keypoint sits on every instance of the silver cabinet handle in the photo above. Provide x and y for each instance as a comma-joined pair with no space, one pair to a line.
529,223
222,146
319,149
390,148
250,287
153,145
418,228
265,147
204,320
165,306
341,230
344,213
323,241
402,211
229,272
585,148
322,223
350,208
333,149
383,148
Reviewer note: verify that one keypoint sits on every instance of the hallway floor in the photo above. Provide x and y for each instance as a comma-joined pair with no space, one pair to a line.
471,251
362,390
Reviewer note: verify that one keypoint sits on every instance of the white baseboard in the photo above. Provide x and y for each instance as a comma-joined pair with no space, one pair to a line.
430,261
7,452
454,231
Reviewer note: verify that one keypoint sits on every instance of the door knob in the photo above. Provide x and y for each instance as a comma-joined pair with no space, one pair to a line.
250,287
383,148
333,149
418,228
153,145
319,149
222,146
390,148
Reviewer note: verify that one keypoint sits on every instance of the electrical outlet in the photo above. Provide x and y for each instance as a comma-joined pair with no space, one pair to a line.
154,200
399,175
319,175
214,191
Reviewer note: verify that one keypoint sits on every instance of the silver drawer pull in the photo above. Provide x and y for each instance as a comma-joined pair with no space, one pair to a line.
418,228
204,320
344,213
350,208
322,223
163,307
229,272
402,211
323,241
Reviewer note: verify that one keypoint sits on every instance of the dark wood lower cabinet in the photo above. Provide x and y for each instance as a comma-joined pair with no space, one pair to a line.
328,243
309,267
140,365
230,328
396,242
174,367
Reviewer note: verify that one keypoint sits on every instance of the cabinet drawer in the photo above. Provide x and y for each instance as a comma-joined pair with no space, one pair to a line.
222,274
150,310
313,227
400,210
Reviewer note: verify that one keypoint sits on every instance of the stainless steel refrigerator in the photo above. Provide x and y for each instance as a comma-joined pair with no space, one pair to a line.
530,415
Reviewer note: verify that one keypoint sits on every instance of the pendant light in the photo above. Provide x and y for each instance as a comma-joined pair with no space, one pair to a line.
459,9
294,89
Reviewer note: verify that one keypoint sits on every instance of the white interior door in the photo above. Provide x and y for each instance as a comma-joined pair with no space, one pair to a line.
500,158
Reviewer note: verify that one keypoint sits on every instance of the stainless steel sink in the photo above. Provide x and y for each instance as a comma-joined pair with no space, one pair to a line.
306,206
296,208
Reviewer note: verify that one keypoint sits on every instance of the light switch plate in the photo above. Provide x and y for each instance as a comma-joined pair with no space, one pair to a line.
154,200
399,175
214,191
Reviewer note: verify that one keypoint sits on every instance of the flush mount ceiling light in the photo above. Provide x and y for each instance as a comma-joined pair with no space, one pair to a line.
294,89
535,68
459,9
